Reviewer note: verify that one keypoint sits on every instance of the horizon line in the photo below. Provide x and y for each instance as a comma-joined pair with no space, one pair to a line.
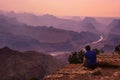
21,12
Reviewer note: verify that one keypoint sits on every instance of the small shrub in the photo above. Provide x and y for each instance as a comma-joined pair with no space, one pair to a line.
76,57
80,56
117,49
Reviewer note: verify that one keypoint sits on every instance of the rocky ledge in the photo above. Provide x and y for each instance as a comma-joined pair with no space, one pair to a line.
109,69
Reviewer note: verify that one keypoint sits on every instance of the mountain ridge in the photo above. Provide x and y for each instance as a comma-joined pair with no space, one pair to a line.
49,39
50,20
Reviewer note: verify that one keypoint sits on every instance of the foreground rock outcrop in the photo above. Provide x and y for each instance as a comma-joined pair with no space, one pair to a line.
109,69
109,60
15,65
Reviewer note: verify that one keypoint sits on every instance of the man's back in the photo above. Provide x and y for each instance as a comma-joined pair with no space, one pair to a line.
91,57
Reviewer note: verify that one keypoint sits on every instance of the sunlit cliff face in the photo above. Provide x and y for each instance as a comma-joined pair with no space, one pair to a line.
104,8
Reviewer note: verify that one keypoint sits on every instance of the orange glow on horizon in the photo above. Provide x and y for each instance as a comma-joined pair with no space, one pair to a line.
100,8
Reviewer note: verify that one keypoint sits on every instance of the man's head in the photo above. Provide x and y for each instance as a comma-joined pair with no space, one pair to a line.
88,48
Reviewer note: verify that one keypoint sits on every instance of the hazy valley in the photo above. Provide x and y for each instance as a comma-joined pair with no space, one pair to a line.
35,42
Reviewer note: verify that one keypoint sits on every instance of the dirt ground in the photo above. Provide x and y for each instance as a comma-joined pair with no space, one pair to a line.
109,69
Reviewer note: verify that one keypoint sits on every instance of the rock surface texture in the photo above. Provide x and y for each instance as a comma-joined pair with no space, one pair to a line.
109,69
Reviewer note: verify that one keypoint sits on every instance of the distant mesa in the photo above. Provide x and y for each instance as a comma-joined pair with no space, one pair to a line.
49,16
89,20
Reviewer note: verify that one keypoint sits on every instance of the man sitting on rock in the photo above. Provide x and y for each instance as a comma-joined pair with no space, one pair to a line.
90,58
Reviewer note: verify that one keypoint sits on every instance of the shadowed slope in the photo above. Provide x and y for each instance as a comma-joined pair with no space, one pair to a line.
16,65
